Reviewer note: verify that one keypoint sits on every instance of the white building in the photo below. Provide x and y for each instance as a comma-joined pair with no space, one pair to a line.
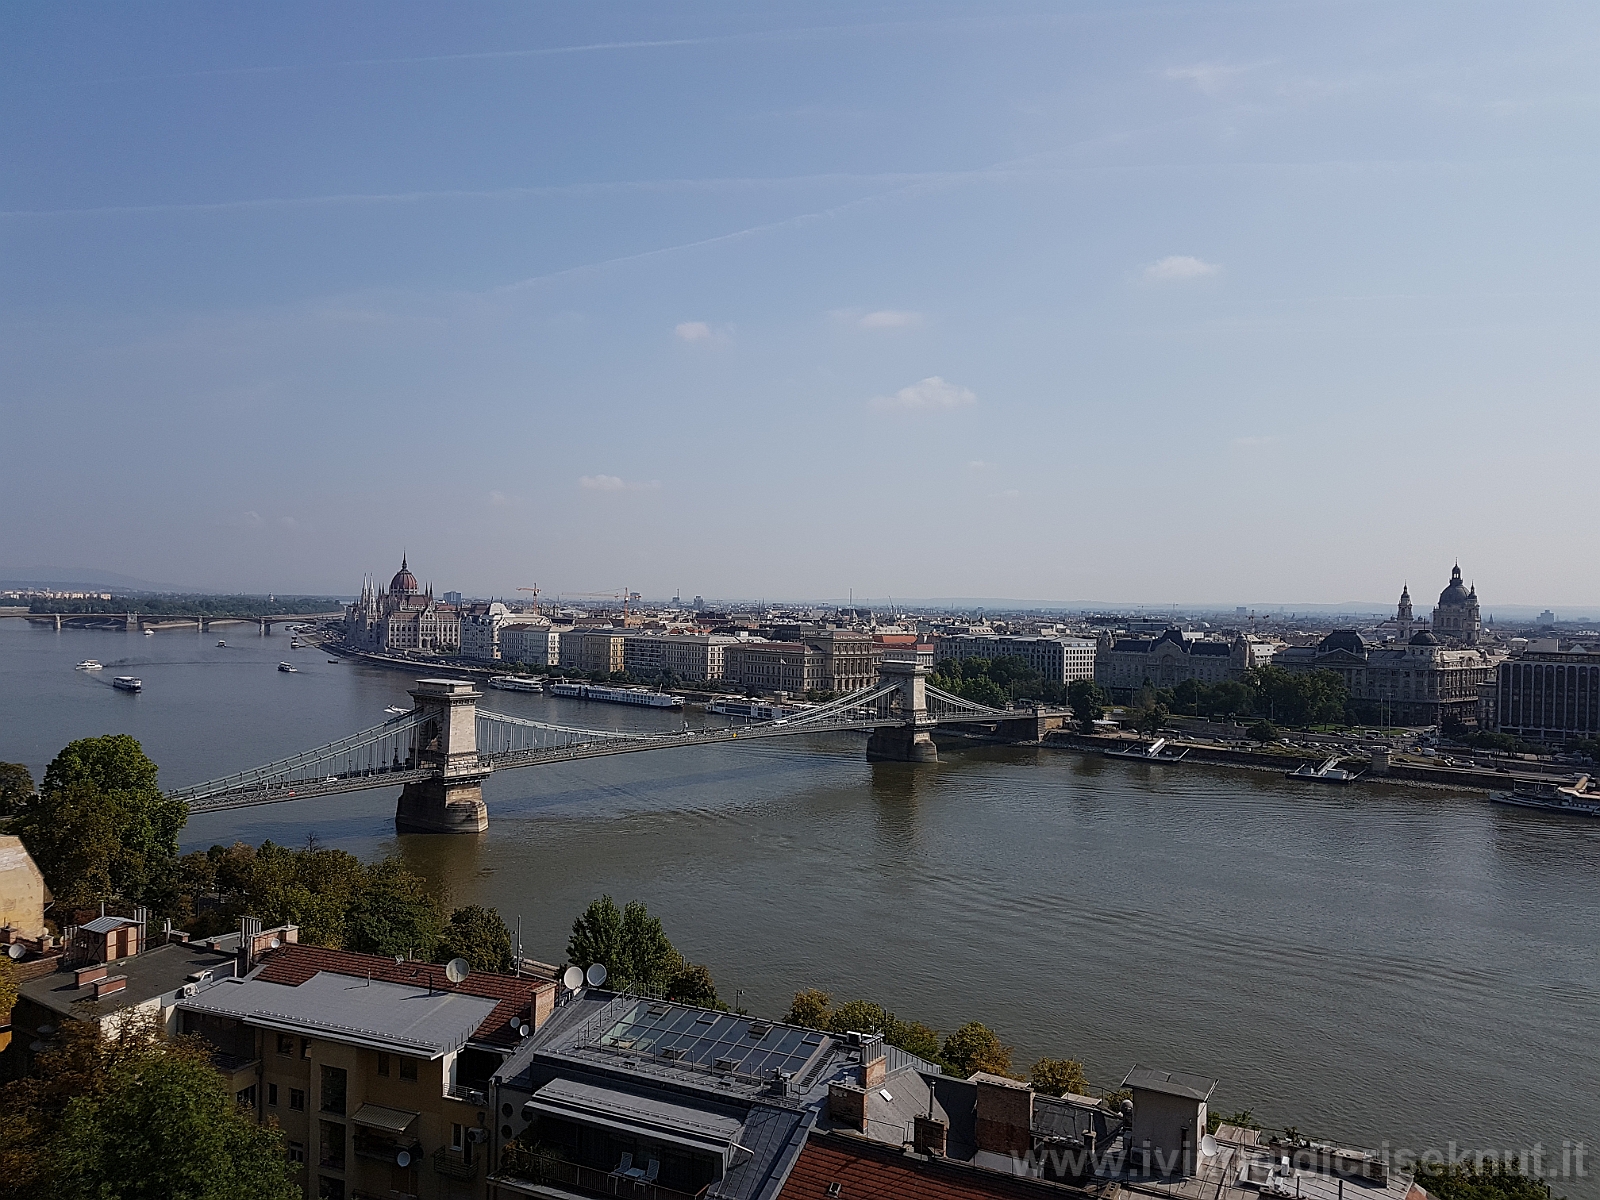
693,657
1058,659
534,645
480,630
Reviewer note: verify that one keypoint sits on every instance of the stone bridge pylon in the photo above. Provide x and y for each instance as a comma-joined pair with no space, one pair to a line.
912,741
447,740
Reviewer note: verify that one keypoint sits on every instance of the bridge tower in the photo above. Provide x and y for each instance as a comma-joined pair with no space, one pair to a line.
911,742
447,738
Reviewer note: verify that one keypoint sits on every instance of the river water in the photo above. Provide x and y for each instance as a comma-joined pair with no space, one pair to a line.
1389,966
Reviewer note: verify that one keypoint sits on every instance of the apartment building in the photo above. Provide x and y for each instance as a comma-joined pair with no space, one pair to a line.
695,657
603,649
1548,694
480,630
537,645
850,660
792,667
378,1071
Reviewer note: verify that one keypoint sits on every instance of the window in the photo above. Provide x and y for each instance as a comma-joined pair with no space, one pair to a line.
297,1152
272,1095
455,1137
285,1044
329,1189
297,1100
247,1097
332,1145
383,1063
305,1047
333,1089
408,1069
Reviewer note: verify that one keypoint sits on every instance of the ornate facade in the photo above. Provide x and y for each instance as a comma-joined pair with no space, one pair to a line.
1455,617
402,617
1416,682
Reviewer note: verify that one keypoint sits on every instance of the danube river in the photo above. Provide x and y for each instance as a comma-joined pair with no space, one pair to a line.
1374,964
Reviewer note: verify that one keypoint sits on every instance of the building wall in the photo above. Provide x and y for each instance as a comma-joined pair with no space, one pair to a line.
694,657
594,650
1058,659
22,890
849,660
775,667
1552,697
536,645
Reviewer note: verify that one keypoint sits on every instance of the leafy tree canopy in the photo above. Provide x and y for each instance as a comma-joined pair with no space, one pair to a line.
100,828
480,936
637,953
1058,1076
16,788
975,1047
1490,1181
1087,701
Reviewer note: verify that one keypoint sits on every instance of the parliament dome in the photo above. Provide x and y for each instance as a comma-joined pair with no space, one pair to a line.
404,582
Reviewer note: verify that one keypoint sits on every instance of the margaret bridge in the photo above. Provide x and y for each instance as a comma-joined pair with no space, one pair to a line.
446,746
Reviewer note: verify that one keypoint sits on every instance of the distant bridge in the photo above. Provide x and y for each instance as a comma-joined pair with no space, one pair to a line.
135,621
446,746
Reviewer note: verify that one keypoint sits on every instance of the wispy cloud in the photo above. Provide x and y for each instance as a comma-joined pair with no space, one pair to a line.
931,394
615,483
693,331
1176,267
890,319
1209,78
980,464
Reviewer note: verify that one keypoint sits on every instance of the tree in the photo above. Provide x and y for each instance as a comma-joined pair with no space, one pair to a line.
810,1008
692,983
1153,720
1263,732
132,1116
1058,1076
647,958
394,913
100,828
8,986
976,1047
480,936
916,1038
16,788
597,936
1087,701
635,949
1489,1180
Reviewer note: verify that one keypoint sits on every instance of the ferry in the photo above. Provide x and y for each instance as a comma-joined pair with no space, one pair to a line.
516,683
1328,772
222,645
751,710
288,668
637,696
1156,751
1575,798
90,664
127,683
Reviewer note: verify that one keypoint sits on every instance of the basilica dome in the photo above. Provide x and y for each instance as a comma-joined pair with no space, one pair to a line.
1456,593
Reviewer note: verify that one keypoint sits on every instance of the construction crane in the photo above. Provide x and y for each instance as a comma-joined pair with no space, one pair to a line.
535,590
622,595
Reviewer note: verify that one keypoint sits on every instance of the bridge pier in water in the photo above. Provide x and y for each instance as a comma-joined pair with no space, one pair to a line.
913,741
452,801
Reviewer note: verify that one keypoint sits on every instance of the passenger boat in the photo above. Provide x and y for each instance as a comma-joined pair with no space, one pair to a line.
1575,798
1328,772
90,664
127,683
395,710
288,668
516,683
751,710
149,633
637,696
1156,751
222,645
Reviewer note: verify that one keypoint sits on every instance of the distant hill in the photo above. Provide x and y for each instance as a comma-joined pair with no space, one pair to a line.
83,579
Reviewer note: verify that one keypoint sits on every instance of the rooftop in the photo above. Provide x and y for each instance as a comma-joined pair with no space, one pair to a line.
403,1018
157,972
1172,1083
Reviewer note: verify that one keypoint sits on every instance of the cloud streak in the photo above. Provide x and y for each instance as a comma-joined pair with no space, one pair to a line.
932,394
890,319
693,331
615,483
1177,267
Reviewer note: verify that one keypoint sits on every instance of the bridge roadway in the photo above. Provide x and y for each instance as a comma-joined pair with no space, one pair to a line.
434,753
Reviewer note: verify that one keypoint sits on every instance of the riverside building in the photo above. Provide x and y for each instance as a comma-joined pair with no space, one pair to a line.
1548,694
402,617
1058,659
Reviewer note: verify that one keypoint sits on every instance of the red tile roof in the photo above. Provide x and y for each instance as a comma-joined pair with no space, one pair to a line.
865,1171
293,964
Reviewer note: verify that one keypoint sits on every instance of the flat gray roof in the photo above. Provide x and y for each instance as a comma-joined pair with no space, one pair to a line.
1171,1083
699,1127
382,1016
158,971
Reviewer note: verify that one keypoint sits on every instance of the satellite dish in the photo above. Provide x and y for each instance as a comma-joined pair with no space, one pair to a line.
15,951
403,1159
399,958
1208,1146
523,1029
572,978
457,969
596,974
275,943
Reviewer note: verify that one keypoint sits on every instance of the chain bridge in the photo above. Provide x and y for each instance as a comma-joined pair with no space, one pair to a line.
441,751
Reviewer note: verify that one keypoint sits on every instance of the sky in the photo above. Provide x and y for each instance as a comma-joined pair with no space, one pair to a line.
1103,301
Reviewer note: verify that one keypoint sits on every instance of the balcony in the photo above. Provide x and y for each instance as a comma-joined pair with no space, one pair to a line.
468,1094
449,1164
548,1169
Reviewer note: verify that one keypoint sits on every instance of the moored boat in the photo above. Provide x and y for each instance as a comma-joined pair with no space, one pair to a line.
1328,772
516,683
1155,751
1575,798
637,696
751,710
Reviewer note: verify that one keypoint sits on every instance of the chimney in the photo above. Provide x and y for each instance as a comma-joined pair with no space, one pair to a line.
109,985
928,1136
874,1065
847,1104
85,975
1003,1111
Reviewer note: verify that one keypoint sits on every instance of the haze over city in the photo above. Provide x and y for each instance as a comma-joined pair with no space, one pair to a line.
1123,302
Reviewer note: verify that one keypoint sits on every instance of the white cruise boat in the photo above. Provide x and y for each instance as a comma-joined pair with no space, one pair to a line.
127,683
288,668
90,664
751,710
636,696
517,683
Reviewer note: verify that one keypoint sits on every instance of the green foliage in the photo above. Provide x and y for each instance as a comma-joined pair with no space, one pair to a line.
1263,732
1154,719
811,1008
995,681
1088,703
1301,698
395,912
1491,1180
133,1117
16,788
1506,743
637,953
480,936
1244,1119
209,606
1058,1076
976,1047
99,827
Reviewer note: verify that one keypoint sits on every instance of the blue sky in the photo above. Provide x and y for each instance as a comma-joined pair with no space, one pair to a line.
1100,301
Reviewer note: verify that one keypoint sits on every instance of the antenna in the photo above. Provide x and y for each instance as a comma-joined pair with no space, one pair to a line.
596,974
457,969
572,978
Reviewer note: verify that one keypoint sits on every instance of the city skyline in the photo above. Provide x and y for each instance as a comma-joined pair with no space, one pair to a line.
1198,302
